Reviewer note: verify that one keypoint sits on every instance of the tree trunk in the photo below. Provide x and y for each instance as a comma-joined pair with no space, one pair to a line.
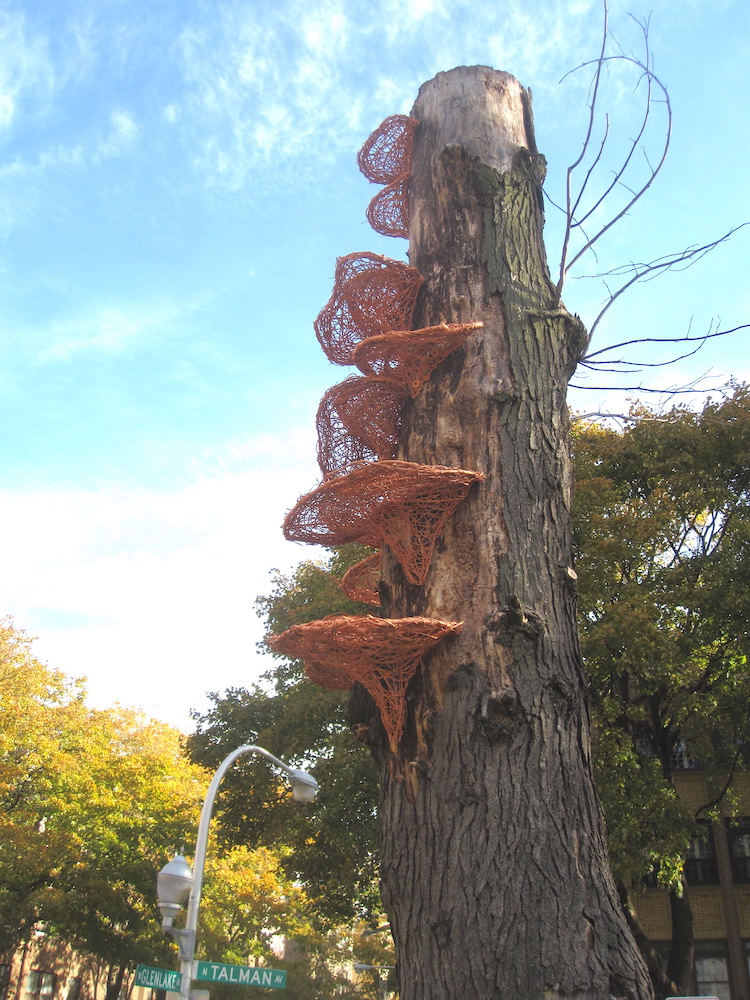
495,873
681,953
663,985
114,982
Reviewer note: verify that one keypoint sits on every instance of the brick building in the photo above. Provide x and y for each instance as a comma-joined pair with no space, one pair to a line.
717,871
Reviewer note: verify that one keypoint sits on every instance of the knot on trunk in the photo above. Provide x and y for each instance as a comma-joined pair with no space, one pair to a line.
498,713
514,621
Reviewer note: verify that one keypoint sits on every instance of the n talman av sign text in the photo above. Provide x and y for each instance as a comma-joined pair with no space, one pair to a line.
240,975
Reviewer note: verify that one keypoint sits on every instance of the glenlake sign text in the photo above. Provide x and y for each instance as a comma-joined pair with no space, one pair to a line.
240,975
158,979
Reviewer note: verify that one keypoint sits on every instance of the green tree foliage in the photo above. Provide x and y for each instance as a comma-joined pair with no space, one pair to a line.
249,902
139,800
92,803
335,841
252,913
662,538
41,713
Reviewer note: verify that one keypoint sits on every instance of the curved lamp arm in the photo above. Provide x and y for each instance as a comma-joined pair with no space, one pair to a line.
304,788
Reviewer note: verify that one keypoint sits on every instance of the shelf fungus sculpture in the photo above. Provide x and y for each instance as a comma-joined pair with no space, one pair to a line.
388,212
410,356
386,153
400,504
371,295
385,158
358,419
381,653
360,582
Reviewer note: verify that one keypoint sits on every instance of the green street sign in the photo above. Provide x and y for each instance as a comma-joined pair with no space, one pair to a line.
240,975
158,979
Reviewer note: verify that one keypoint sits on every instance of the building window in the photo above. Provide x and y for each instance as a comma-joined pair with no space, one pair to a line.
681,759
700,863
712,970
40,985
738,834
4,981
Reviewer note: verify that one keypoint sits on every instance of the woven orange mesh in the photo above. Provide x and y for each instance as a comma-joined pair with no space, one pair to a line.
386,154
388,212
358,419
371,294
360,582
400,504
410,356
381,653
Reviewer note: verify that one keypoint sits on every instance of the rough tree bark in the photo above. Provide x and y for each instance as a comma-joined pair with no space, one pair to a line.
495,873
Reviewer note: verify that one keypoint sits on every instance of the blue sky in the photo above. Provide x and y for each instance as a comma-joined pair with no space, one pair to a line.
177,180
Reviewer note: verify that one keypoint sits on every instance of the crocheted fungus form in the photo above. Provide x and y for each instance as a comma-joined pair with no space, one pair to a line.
400,504
386,154
358,419
388,212
371,294
360,582
381,653
410,356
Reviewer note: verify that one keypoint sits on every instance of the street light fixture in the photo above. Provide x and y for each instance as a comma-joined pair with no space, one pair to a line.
177,884
173,885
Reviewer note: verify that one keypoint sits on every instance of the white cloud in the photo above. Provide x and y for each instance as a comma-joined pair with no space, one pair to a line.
25,65
296,84
151,594
7,110
121,138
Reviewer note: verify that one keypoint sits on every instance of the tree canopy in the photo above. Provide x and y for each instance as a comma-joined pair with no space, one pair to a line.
93,802
662,539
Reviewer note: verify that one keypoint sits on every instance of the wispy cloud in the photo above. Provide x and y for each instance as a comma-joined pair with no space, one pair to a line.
108,329
122,136
25,65
290,84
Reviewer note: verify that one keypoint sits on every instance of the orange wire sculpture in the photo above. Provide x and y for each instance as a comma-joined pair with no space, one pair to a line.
388,212
400,504
386,154
382,502
358,419
371,294
360,582
381,653
385,158
410,356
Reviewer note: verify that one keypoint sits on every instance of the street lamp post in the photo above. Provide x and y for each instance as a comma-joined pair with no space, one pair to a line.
176,883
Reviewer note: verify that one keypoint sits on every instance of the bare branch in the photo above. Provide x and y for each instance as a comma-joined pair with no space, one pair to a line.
573,220
679,261
691,387
664,340
584,150
652,174
624,365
